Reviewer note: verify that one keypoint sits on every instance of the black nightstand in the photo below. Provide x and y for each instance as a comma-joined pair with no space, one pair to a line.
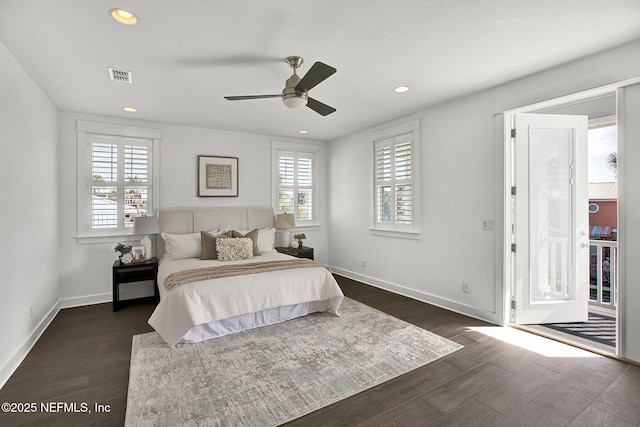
134,272
299,252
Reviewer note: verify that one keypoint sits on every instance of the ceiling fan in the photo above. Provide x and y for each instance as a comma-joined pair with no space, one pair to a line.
295,93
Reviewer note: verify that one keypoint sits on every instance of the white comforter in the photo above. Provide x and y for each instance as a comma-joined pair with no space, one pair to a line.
212,300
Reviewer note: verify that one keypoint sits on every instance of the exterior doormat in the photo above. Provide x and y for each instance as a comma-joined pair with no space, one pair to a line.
274,374
599,328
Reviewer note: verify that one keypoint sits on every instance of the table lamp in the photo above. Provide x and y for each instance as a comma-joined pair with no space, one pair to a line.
146,225
283,223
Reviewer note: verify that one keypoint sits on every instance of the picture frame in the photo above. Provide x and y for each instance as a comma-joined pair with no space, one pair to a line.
138,253
217,176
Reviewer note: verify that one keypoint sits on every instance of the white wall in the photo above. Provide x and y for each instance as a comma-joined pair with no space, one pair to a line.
462,161
28,213
86,275
458,181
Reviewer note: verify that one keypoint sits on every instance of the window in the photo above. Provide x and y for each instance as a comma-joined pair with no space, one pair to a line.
395,181
295,181
115,180
120,181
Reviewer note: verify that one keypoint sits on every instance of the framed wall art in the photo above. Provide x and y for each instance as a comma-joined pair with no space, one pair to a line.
217,176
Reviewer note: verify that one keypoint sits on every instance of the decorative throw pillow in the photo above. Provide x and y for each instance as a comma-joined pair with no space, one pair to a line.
266,238
253,235
232,249
209,239
179,246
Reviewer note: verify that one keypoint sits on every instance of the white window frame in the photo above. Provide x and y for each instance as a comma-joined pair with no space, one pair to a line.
387,136
84,130
296,149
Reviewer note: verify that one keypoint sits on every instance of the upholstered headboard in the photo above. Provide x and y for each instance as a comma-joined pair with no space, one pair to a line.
193,220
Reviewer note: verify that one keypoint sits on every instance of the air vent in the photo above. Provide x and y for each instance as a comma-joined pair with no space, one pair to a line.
120,75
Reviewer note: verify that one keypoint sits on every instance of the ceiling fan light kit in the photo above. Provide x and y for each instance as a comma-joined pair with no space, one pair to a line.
296,90
291,97
295,101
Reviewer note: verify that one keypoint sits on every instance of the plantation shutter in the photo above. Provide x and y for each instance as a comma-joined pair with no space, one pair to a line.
120,182
104,183
383,182
136,178
403,181
286,183
296,185
394,181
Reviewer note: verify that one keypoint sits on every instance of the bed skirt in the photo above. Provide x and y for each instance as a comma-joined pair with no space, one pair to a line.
252,320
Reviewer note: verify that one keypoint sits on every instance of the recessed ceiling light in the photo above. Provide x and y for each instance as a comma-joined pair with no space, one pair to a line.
129,109
303,131
401,89
123,16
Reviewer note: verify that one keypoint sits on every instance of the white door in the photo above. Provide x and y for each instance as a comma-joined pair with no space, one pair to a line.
551,223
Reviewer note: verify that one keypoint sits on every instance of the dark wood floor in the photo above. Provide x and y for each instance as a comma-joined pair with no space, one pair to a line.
83,357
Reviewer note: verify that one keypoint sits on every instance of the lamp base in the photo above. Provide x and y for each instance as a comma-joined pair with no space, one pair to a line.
148,248
284,240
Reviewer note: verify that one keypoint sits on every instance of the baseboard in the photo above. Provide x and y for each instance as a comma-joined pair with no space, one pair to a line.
23,350
454,306
86,300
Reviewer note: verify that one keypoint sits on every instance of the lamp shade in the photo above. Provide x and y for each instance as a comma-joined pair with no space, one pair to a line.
145,225
285,221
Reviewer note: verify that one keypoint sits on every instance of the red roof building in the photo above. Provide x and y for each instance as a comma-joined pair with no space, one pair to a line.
603,210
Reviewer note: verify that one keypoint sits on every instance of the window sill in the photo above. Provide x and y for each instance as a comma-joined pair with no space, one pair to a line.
110,238
310,227
411,235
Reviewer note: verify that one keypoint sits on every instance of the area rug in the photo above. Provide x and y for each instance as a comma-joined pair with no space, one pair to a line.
599,328
271,375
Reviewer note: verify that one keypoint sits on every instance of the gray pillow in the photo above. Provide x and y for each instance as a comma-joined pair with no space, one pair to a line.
209,244
253,235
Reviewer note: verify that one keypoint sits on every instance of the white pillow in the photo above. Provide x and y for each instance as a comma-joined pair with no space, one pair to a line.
231,249
179,246
266,239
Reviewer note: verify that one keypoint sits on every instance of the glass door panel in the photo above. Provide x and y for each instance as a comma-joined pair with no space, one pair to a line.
550,203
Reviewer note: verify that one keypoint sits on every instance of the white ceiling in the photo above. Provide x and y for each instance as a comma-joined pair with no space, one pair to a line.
185,55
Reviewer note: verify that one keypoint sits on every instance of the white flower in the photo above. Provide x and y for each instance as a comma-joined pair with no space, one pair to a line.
294,245
126,258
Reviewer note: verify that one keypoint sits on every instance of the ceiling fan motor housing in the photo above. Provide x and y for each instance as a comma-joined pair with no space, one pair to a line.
291,97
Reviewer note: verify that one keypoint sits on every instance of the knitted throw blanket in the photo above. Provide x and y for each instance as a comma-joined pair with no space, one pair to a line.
187,276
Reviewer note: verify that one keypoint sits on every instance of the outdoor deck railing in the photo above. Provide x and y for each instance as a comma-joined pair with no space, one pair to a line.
603,275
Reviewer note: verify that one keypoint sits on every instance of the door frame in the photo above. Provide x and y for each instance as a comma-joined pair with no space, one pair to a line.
503,134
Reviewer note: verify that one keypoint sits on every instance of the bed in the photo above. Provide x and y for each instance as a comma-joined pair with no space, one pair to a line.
209,298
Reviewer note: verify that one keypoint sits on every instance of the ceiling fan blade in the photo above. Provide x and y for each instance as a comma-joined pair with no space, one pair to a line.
243,97
316,74
319,107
